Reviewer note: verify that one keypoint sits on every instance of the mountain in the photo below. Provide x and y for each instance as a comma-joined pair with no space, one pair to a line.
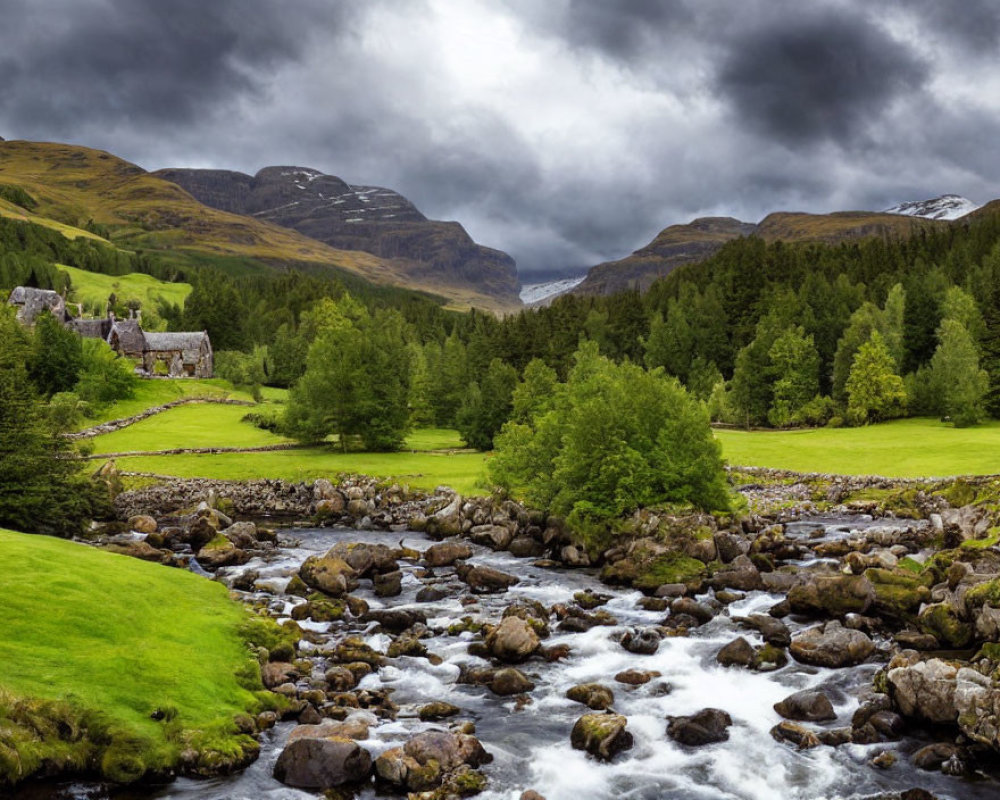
672,247
435,255
947,206
697,240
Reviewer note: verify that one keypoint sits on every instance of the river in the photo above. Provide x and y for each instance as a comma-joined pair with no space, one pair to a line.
530,744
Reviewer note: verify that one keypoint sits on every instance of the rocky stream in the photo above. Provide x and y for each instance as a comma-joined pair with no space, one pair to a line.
436,663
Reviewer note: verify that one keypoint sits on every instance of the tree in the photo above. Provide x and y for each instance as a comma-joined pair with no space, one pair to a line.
356,383
615,438
956,375
287,356
866,320
670,342
485,410
874,390
56,356
535,394
106,376
41,488
421,410
794,369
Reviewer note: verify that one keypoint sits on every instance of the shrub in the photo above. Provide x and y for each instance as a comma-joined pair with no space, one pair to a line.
614,439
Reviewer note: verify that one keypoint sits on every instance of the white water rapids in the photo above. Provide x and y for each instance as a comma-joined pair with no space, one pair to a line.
531,745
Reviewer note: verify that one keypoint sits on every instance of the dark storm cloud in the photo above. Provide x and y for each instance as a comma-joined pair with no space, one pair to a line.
172,62
825,77
566,132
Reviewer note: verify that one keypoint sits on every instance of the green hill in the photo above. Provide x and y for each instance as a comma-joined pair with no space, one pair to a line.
92,289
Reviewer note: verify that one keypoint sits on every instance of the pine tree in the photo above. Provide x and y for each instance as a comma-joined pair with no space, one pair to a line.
956,375
794,367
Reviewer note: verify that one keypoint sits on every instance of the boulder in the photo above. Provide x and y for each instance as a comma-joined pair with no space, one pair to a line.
242,535
942,621
142,523
708,726
277,673
593,695
774,631
513,641
636,677
925,690
450,750
738,653
601,735
806,706
308,763
446,554
831,645
438,710
431,594
509,681
220,552
485,580
933,756
388,584
329,574
832,595
793,733
365,559
447,521
641,641
496,537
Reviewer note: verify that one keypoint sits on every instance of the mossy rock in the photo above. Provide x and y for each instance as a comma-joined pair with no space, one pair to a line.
218,542
942,621
670,568
984,594
960,493
899,593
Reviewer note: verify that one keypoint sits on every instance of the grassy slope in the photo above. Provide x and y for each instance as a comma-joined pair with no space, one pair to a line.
74,184
88,625
191,426
8,209
909,448
150,393
92,287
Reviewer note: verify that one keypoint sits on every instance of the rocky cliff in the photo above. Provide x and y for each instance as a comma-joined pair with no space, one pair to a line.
366,218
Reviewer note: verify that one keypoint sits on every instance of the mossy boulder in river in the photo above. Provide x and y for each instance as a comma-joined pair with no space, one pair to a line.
601,735
329,574
832,595
899,593
942,621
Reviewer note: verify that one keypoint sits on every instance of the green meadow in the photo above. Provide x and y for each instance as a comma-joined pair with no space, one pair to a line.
93,288
87,626
906,448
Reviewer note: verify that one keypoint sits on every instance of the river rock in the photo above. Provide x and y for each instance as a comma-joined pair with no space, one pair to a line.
242,534
601,735
142,523
447,521
388,584
806,706
365,559
513,641
793,733
309,763
592,695
395,620
485,579
831,645
738,653
706,727
438,710
832,595
450,750
446,554
933,756
220,552
509,681
636,677
692,608
329,574
925,690
340,679
277,673
641,641
774,631
496,537
431,594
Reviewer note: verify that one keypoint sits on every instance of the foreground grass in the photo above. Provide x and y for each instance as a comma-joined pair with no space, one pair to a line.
154,392
120,637
92,288
190,426
464,472
907,448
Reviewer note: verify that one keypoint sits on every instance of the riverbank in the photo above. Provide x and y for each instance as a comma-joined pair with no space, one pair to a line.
116,667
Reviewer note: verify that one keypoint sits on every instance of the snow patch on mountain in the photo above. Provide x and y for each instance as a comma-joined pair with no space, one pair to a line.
947,206
543,293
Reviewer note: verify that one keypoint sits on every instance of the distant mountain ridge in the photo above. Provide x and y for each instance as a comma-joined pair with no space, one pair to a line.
369,219
698,240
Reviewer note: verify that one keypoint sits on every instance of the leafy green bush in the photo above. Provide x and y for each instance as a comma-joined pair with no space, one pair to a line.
612,439
106,377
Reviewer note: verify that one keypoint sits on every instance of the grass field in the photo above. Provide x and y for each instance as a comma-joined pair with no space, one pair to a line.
150,393
89,626
907,448
92,288
191,426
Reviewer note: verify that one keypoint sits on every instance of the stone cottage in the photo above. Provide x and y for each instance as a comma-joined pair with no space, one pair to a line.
31,302
174,355
181,354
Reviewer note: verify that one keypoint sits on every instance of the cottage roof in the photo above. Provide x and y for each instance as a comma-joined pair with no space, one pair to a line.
130,337
91,328
160,342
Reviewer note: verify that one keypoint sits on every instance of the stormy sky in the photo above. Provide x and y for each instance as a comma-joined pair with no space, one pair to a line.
566,132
